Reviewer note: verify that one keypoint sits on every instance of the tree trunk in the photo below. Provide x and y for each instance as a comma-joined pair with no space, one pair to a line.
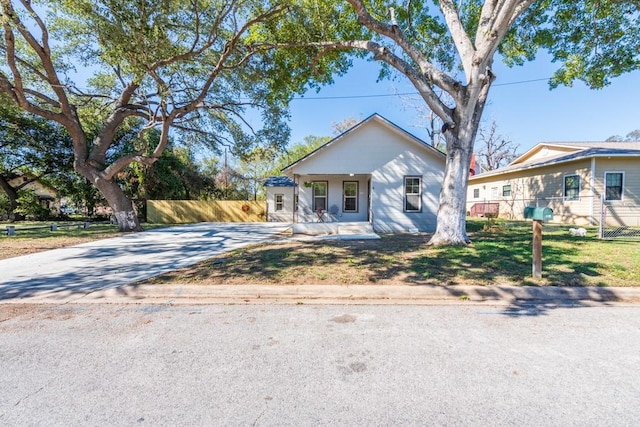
122,205
12,195
452,211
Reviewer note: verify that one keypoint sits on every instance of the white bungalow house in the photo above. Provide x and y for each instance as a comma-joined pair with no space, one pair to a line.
374,172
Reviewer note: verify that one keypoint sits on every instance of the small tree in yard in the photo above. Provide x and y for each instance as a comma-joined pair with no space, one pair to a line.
176,65
446,49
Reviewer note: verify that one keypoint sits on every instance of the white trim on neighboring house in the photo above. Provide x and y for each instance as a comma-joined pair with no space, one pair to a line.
592,185
604,187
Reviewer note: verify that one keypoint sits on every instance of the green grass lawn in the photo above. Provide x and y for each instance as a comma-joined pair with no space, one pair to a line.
499,255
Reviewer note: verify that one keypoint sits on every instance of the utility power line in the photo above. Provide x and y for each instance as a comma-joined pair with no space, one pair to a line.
384,95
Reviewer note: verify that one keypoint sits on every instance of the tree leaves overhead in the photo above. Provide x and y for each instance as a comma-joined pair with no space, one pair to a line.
591,40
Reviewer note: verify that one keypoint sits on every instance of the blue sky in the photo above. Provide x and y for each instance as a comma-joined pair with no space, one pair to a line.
527,113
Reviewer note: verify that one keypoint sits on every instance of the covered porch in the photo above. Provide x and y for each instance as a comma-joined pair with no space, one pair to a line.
337,198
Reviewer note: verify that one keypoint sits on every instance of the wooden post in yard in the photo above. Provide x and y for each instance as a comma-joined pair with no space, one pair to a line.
537,249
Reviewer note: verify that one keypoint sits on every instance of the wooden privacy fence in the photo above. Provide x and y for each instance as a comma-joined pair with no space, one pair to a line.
184,211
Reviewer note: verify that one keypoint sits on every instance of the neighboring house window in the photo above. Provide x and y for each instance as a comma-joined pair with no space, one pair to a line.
412,194
476,193
320,195
614,185
279,202
506,190
350,196
572,187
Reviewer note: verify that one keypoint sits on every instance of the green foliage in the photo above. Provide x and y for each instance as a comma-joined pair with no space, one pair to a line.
31,207
174,176
31,144
633,136
592,40
5,206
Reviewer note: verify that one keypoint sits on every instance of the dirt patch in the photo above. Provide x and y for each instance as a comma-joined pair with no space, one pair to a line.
11,311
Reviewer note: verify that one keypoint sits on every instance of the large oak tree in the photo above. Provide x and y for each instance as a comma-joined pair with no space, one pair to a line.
181,65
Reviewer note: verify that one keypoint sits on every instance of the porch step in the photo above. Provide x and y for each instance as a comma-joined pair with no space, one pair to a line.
355,229
332,228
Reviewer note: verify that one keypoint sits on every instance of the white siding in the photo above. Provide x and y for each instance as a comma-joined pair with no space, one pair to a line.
361,151
388,194
286,214
375,151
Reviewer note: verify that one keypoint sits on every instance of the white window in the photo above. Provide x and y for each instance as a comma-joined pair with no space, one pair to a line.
412,194
279,202
494,193
476,193
571,187
506,190
613,185
320,195
350,196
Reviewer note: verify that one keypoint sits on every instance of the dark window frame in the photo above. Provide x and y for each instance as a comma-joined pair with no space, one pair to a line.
607,192
566,189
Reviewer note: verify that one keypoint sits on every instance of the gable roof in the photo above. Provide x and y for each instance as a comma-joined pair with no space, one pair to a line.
374,117
564,152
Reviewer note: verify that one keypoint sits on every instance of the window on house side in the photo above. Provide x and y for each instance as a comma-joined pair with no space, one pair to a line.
320,195
350,196
506,190
572,187
476,193
279,202
412,194
614,185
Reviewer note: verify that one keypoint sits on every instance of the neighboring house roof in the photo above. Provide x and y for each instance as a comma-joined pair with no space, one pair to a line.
380,119
564,152
279,181
32,182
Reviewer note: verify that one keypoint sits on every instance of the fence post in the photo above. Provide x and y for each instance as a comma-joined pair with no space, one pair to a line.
603,217
536,264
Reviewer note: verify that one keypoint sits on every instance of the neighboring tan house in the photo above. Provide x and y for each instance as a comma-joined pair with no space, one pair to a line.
581,181
374,172
46,194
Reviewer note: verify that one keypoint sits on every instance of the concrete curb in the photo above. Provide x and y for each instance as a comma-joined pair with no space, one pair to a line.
338,294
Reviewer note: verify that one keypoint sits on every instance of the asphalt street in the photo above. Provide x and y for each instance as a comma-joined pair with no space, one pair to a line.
111,364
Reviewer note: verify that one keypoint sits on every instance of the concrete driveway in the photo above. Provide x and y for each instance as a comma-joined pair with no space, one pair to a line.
79,270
